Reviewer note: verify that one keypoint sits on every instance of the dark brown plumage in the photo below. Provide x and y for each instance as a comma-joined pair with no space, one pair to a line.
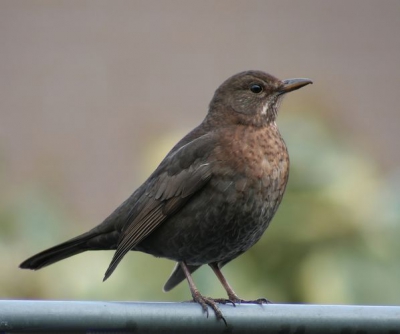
213,195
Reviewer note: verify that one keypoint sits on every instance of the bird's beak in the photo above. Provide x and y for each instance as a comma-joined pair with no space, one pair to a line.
290,85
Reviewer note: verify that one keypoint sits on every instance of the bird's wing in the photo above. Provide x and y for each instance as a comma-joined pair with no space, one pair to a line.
179,176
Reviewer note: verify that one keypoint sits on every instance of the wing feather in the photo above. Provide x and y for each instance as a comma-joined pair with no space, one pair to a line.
179,176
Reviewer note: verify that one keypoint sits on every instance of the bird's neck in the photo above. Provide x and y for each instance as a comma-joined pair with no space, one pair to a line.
229,117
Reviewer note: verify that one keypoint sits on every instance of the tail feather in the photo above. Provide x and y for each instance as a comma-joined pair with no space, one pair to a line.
177,276
57,253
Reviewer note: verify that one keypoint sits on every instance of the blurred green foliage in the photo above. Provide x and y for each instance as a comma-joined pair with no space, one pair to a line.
333,240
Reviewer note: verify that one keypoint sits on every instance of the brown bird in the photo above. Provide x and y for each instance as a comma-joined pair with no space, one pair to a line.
213,195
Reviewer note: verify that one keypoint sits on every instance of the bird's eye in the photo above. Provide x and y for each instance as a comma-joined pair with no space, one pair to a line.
256,88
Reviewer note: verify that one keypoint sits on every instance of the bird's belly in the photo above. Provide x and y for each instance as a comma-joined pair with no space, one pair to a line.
217,224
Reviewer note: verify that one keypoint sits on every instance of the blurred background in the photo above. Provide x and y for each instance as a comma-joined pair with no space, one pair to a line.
94,94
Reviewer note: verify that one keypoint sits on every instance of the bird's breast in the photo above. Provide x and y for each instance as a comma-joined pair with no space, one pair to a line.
254,161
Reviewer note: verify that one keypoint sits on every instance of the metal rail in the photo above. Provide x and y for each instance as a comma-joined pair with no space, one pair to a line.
21,316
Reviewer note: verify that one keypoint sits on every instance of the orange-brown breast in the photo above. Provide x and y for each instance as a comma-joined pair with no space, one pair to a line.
259,157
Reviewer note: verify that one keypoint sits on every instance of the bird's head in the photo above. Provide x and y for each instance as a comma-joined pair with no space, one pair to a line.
251,98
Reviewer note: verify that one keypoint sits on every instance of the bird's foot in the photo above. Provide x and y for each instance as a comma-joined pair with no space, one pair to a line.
259,301
207,301
225,301
234,299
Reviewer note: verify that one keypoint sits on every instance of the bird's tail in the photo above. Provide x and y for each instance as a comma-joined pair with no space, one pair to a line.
177,276
62,251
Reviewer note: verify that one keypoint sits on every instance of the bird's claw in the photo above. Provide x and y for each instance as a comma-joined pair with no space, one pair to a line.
263,301
225,301
207,301
259,301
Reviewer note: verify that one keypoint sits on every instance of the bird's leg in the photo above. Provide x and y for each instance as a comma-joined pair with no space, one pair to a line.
198,298
232,296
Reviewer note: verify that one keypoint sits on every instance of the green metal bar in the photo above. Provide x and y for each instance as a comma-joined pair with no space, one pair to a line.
20,316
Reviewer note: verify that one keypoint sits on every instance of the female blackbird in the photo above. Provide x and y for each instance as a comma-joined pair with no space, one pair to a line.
213,195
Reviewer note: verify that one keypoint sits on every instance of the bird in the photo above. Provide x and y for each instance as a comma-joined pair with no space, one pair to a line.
211,198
